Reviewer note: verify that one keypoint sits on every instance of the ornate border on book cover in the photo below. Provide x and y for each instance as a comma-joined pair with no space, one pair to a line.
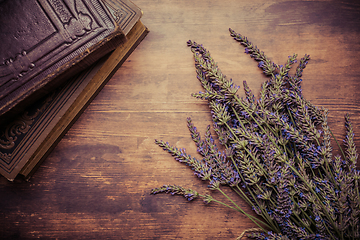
19,136
46,38
126,14
21,139
65,23
14,133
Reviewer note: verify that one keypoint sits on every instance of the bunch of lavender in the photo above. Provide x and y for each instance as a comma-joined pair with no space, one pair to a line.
278,156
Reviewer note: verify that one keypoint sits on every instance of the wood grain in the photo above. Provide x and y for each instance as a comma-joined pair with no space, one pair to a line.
96,182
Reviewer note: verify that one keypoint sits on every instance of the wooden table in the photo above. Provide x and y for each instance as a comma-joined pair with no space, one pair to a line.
96,183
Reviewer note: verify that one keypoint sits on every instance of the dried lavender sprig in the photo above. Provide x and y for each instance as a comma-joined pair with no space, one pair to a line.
280,79
266,64
216,79
351,152
220,82
221,169
201,169
216,85
224,168
283,72
254,119
295,80
220,115
279,96
295,171
189,194
210,149
289,56
352,177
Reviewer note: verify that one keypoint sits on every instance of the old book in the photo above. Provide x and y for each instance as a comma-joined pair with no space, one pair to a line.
26,142
44,42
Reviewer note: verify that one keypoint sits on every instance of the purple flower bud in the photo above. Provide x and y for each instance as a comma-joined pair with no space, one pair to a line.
261,64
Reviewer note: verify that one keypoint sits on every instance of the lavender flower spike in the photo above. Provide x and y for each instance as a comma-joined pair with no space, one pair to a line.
275,153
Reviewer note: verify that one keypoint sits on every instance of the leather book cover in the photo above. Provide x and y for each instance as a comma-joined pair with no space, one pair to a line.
44,42
26,141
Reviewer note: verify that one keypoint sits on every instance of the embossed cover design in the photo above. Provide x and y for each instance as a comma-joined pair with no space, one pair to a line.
125,12
46,41
26,141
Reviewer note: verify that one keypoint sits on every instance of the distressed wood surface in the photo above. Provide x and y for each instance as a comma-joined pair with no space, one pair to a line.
96,183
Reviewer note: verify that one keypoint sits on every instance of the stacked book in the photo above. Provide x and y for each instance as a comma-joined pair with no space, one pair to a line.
55,56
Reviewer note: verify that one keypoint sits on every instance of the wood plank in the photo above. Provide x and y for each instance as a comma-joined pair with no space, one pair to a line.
96,182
